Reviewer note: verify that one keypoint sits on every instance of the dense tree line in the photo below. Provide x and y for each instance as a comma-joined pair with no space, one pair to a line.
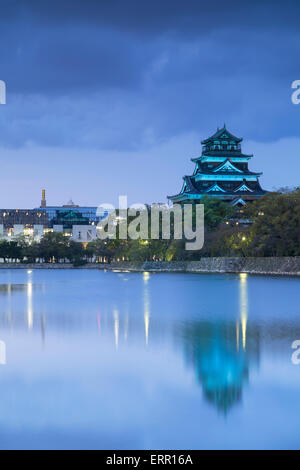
273,228
267,227
53,247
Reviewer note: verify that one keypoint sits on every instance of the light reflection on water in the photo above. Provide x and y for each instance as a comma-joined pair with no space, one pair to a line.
127,360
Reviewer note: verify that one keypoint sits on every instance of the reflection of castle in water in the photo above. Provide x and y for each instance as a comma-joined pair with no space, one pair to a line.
222,353
221,363
222,350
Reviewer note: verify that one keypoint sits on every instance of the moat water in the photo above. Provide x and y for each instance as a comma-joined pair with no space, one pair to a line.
111,360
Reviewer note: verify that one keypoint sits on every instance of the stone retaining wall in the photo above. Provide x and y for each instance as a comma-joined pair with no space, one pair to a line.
283,266
269,266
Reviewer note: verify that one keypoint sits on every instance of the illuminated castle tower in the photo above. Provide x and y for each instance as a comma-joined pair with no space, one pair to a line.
43,200
222,172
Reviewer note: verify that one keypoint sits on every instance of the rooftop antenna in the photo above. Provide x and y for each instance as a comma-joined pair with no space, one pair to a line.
43,200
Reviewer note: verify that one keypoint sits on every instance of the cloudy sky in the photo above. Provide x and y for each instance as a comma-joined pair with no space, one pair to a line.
109,97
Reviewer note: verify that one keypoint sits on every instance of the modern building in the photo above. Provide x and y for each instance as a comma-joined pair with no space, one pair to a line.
28,222
221,172
69,211
10,217
71,219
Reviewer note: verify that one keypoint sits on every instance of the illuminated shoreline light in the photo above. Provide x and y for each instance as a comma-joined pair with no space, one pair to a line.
116,328
146,277
29,306
243,306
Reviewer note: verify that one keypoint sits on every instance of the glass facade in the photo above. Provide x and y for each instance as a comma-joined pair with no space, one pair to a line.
89,213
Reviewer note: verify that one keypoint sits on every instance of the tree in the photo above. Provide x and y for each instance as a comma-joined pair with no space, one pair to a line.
215,212
276,224
74,251
54,245
31,252
10,250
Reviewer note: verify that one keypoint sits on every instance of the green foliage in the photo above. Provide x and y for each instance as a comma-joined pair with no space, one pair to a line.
77,262
53,246
274,231
276,224
10,250
31,252
215,212
174,250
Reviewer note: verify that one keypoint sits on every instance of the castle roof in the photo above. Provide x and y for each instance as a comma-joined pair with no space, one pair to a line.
221,171
222,134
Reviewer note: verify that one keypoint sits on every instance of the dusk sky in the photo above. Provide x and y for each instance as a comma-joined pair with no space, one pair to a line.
112,97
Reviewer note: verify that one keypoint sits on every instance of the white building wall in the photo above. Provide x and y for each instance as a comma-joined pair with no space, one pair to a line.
58,228
83,233
18,229
38,231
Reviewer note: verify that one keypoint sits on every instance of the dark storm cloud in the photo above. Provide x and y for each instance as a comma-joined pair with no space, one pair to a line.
40,58
121,74
102,93
70,44
156,16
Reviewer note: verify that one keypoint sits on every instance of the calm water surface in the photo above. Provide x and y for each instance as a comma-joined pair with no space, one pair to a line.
94,359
